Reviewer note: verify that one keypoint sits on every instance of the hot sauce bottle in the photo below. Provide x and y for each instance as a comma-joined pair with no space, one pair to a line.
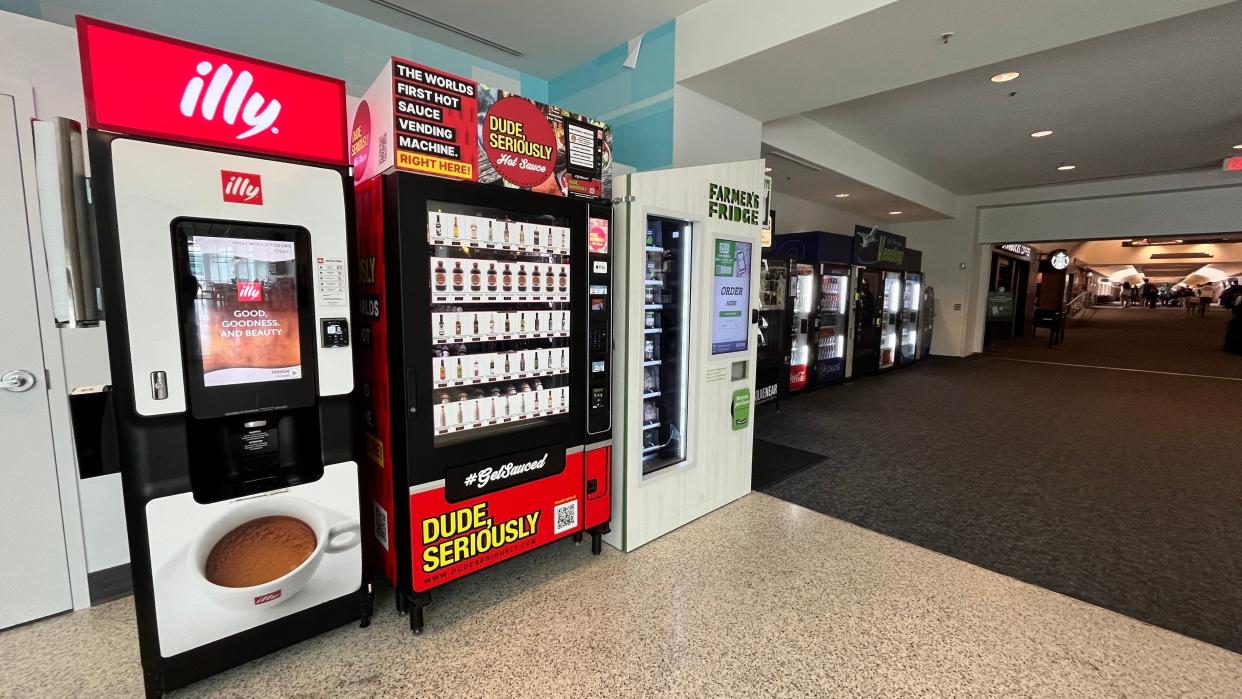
521,277
535,279
548,280
441,279
476,278
491,277
459,280
456,232
506,231
564,281
521,234
506,279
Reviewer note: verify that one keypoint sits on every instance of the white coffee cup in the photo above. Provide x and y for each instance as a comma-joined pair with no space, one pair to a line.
339,537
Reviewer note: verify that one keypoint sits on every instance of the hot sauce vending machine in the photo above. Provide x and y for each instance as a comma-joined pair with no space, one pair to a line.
222,202
485,304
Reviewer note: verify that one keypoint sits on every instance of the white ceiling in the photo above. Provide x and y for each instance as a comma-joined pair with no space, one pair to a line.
1162,97
822,186
553,35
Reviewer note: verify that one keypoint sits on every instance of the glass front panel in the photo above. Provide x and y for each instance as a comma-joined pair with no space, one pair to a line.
911,296
500,320
832,317
772,291
803,310
888,327
665,349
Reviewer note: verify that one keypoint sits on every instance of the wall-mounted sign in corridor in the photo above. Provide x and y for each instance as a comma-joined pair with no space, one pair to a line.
1059,259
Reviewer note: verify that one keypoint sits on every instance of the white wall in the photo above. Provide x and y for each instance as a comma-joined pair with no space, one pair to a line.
706,132
44,55
947,247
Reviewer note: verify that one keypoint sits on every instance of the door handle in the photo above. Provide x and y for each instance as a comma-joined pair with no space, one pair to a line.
17,381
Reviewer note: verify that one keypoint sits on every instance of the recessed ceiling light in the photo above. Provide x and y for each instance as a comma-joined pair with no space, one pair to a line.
1041,134
1065,168
841,195
1238,147
1005,77
767,169
894,213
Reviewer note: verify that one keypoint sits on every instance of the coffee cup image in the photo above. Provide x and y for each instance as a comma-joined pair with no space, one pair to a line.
262,552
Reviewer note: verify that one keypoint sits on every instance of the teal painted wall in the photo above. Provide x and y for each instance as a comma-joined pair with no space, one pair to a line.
299,33
637,102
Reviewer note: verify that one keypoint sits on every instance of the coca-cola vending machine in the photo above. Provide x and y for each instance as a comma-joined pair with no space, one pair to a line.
223,200
485,299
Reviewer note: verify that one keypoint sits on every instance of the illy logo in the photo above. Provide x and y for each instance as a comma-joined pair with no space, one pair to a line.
241,187
269,597
249,292
255,111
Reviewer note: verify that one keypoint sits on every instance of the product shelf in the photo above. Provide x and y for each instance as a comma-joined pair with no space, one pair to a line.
498,338
483,380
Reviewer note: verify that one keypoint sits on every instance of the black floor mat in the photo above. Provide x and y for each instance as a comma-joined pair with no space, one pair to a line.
772,462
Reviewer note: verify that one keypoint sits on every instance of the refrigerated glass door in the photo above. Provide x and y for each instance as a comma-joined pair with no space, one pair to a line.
833,319
912,294
800,359
889,322
665,348
500,320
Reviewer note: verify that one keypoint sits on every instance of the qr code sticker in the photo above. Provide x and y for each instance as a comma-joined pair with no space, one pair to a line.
566,517
381,525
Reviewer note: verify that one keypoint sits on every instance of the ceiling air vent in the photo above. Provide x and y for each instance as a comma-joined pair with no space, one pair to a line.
396,7
1178,255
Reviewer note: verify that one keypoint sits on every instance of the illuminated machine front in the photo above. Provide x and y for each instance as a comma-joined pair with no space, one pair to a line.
485,296
222,206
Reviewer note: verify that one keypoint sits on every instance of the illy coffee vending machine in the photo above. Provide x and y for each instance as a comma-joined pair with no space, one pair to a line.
223,207
485,325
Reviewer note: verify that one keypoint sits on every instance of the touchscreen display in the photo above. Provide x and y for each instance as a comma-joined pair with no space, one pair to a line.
731,303
245,309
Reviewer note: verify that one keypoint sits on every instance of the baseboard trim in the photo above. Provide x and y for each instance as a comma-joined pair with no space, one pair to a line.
110,583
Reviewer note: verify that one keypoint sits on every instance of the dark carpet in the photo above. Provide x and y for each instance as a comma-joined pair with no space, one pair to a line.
1118,488
773,462
1159,339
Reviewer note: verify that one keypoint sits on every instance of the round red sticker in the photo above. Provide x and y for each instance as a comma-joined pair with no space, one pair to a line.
360,140
519,142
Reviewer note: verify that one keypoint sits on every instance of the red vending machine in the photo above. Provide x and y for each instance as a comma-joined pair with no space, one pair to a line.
222,200
485,361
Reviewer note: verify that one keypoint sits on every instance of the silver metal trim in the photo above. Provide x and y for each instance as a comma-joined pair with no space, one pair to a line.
424,487
596,445
573,450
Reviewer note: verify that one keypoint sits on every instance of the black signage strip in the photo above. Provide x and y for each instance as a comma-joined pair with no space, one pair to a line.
451,101
473,480
405,129
428,147
467,87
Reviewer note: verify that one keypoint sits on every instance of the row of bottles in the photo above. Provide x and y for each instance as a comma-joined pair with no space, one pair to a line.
514,402
460,369
489,280
483,232
483,326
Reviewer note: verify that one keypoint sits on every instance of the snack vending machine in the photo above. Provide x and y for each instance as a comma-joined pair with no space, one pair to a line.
485,343
832,329
222,203
687,326
912,297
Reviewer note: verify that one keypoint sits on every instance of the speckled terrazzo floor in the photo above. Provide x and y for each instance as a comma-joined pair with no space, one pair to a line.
761,598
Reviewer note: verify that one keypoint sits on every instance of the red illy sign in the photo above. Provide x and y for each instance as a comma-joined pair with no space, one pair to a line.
149,85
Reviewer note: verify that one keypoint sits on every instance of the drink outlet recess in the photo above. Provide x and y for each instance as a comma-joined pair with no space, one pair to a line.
222,199
687,323
485,262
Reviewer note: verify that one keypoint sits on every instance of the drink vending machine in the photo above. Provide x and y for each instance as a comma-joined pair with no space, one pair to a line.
485,297
222,202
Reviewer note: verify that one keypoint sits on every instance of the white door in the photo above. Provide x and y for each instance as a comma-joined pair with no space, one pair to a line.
34,569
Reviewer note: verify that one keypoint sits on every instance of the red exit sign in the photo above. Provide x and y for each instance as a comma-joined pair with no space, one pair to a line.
1233,164
150,85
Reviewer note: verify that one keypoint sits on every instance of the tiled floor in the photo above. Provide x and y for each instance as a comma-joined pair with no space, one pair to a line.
761,598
